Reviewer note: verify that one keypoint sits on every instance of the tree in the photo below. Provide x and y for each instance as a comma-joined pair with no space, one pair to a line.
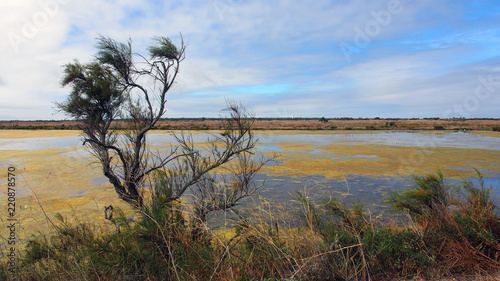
117,88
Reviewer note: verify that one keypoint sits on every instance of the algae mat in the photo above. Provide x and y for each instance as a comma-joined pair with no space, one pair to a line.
51,181
337,161
53,168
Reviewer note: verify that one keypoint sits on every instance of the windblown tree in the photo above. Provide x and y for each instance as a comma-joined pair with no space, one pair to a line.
116,87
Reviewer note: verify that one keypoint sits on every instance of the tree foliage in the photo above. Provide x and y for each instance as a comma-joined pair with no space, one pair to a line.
115,86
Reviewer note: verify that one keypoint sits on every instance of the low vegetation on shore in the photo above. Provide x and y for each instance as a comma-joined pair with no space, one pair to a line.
449,230
457,124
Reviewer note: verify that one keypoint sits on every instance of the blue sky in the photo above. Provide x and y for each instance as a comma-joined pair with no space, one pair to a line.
361,58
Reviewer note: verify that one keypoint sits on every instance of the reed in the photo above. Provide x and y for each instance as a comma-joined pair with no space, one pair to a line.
452,230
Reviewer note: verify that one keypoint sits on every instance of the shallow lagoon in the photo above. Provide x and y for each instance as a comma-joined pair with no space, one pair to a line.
352,165
9,140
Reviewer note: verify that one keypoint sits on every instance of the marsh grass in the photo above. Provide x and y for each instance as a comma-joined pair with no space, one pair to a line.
453,229
285,124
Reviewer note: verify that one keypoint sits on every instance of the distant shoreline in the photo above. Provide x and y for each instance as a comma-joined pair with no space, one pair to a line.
458,124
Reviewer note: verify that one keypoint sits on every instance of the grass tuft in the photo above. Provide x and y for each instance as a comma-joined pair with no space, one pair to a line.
453,229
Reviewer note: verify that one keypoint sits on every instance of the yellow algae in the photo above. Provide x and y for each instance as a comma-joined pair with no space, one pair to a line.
11,134
487,133
59,184
65,184
225,234
391,161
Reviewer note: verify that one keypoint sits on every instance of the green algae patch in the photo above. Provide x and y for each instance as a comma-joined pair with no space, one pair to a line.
334,161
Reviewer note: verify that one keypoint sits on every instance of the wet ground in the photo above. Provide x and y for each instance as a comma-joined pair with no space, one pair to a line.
354,165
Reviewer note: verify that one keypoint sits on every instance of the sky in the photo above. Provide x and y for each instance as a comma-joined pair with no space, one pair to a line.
336,58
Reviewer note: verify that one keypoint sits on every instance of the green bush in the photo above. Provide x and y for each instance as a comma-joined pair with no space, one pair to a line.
458,222
438,127
454,229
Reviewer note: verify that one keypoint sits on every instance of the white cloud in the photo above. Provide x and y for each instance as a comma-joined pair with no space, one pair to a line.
238,43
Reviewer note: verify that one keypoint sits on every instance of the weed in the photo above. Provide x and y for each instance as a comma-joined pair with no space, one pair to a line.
454,229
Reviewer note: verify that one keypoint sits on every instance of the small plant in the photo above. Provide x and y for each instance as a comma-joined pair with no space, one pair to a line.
430,199
438,127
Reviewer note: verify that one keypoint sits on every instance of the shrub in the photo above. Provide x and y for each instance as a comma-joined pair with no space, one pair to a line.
438,127
458,223
454,229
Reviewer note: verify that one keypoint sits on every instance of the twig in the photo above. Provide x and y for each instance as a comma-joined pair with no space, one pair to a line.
322,254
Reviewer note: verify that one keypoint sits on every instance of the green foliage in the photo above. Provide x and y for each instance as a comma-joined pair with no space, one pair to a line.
37,249
458,223
114,86
343,230
430,197
264,251
478,198
140,252
115,55
456,230
397,252
96,95
438,127
164,49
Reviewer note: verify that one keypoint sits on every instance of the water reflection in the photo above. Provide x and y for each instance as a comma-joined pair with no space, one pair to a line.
414,139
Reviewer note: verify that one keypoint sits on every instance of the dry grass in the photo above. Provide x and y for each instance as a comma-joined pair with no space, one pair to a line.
279,250
292,124
325,241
